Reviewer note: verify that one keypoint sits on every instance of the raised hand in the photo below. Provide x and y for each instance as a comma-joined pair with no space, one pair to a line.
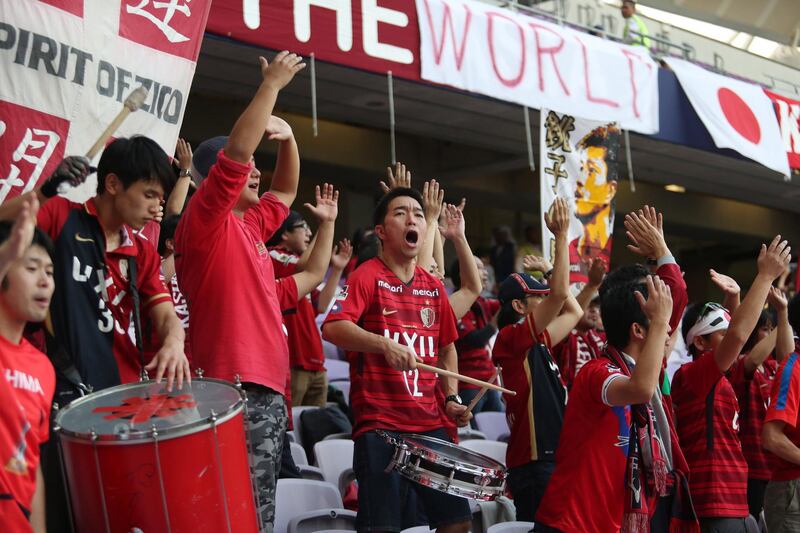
400,178
73,170
342,254
454,223
653,217
777,299
432,196
280,72
326,201
278,129
658,305
597,271
183,154
21,234
774,259
536,264
557,217
727,284
647,238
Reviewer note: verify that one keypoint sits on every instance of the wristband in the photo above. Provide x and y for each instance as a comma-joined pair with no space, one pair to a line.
185,173
548,274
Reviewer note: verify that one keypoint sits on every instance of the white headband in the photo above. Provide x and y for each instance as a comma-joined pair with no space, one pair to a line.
716,319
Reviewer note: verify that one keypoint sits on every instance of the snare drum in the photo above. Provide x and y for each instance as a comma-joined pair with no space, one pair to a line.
137,458
445,467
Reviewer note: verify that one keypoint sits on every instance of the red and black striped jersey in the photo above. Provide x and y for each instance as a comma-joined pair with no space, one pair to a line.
416,314
707,420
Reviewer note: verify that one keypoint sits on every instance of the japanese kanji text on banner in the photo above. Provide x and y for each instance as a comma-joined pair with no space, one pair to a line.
66,66
788,112
578,161
492,51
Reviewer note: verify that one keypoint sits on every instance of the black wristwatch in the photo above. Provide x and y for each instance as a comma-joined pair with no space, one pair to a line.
453,398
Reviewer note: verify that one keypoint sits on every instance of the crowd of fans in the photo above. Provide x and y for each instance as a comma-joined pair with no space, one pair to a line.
601,439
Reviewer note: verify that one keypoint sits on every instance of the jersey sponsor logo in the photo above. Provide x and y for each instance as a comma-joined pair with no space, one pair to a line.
426,292
261,249
387,312
394,288
21,380
428,316
342,296
736,420
81,238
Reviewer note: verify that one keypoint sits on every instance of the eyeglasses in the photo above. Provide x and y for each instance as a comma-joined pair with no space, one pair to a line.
303,225
710,307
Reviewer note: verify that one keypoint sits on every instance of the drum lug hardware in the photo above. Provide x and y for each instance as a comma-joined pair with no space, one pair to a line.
237,380
198,372
213,418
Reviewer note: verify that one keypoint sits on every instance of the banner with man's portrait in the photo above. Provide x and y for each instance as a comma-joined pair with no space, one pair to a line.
579,162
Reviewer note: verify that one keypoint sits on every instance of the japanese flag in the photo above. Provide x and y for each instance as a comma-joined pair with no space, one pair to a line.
737,114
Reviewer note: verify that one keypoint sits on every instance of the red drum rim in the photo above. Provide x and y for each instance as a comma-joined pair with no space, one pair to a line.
126,434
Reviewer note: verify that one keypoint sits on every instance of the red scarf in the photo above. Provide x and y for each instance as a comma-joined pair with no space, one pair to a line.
644,483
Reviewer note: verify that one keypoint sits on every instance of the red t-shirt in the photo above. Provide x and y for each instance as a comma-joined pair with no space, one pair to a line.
226,274
528,369
753,395
286,289
26,394
305,344
117,298
784,406
475,361
416,314
707,420
576,350
587,489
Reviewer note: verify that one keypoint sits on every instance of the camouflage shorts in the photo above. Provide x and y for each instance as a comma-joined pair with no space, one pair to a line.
266,413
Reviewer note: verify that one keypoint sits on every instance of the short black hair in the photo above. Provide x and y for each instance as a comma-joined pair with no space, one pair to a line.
289,223
623,275
168,226
40,238
620,309
370,247
794,313
133,159
383,204
763,319
690,318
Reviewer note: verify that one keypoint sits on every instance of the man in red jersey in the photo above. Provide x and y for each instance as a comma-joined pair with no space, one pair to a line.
590,489
781,436
751,377
706,408
224,269
391,314
27,379
290,248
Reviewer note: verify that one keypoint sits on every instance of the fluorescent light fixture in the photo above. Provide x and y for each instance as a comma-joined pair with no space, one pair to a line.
672,187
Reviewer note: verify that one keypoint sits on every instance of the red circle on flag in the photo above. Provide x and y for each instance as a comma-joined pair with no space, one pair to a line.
739,115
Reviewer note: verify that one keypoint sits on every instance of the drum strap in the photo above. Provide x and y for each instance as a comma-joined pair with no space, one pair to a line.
23,509
137,315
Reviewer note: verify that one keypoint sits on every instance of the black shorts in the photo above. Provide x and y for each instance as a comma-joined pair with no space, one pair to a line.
382,497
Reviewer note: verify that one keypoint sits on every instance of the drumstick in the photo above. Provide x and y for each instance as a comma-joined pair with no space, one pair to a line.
465,379
132,103
480,394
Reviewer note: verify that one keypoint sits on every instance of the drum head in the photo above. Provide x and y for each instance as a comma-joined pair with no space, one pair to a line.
452,452
131,412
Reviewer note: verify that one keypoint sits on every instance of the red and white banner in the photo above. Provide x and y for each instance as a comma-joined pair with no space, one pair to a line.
737,114
372,35
506,55
579,160
66,66
788,112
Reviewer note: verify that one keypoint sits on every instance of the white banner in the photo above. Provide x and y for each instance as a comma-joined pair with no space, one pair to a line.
737,114
578,161
496,52
66,66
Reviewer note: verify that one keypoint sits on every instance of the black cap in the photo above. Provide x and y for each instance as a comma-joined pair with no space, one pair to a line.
205,155
518,286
